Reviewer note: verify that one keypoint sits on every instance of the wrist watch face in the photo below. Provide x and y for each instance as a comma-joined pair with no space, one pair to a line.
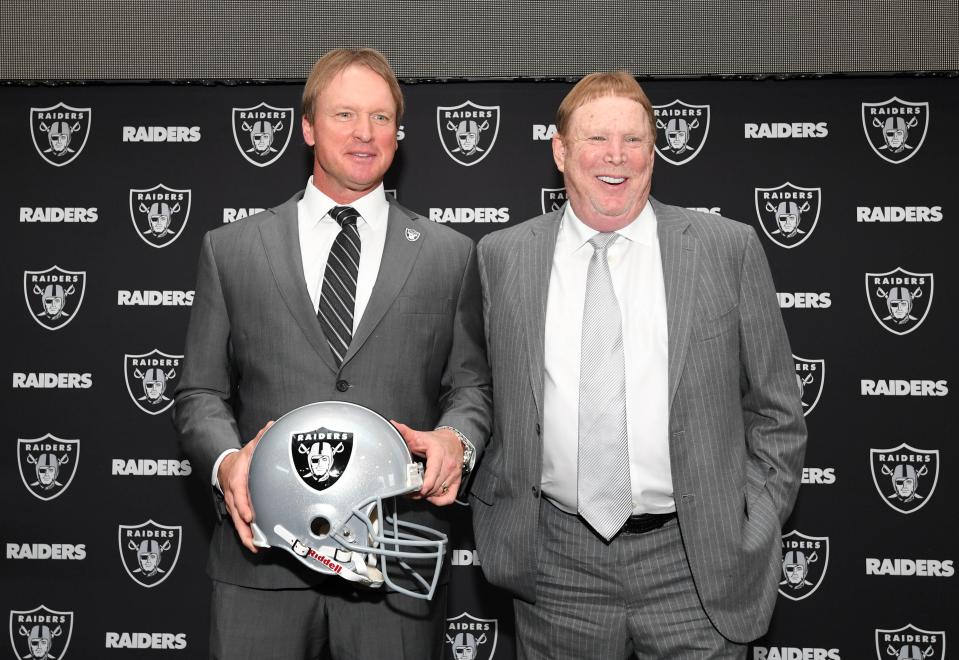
467,457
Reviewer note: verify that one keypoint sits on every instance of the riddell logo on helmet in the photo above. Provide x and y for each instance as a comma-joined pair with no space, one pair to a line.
326,561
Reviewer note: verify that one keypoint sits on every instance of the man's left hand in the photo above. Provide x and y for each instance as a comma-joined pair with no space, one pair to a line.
444,462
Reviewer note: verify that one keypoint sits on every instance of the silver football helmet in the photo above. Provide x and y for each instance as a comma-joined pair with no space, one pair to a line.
318,480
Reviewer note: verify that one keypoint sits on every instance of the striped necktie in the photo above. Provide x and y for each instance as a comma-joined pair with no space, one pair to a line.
338,295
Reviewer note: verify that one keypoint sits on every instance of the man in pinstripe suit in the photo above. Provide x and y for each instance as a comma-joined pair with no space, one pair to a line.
681,556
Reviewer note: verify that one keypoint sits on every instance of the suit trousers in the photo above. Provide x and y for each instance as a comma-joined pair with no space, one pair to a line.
633,596
335,621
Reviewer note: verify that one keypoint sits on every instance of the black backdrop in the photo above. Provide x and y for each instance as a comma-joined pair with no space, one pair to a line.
878,393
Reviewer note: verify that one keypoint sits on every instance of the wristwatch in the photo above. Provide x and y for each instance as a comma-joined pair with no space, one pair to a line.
469,451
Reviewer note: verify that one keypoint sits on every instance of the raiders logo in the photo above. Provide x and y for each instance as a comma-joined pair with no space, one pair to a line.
151,378
899,300
262,132
788,214
149,551
471,638
805,560
910,643
41,633
552,199
47,464
895,129
54,295
810,376
468,131
683,129
321,456
905,477
60,132
159,213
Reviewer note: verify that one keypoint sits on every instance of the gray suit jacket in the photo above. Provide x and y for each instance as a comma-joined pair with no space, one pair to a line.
255,350
736,429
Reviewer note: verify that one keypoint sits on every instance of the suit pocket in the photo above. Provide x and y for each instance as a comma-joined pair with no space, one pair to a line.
716,325
424,305
484,487
756,498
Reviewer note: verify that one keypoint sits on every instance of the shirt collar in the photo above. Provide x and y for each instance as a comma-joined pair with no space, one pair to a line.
576,233
372,207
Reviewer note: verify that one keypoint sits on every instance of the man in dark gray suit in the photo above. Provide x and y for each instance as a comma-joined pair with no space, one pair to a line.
648,434
269,332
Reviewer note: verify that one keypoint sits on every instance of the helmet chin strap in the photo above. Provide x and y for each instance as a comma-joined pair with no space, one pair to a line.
351,566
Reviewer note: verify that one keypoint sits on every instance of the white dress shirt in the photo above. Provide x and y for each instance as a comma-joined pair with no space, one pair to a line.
317,231
636,267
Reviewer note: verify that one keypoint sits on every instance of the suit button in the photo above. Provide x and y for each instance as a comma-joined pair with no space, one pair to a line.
536,491
342,385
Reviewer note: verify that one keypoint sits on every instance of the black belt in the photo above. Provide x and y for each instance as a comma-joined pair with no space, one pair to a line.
646,522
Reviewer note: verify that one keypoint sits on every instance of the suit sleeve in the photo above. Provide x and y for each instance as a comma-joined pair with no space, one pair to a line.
465,392
772,408
202,411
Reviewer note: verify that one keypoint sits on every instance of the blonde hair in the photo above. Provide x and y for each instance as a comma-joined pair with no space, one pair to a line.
338,60
598,85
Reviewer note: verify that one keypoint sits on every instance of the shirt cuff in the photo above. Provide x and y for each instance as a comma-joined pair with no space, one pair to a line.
216,469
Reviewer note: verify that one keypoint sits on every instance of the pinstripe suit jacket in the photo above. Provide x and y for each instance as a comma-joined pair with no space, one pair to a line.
736,429
255,350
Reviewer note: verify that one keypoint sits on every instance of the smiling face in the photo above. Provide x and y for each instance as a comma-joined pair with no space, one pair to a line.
353,133
606,157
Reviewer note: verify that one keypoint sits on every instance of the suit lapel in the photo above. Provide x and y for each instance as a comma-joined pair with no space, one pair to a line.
680,264
281,241
535,262
399,255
